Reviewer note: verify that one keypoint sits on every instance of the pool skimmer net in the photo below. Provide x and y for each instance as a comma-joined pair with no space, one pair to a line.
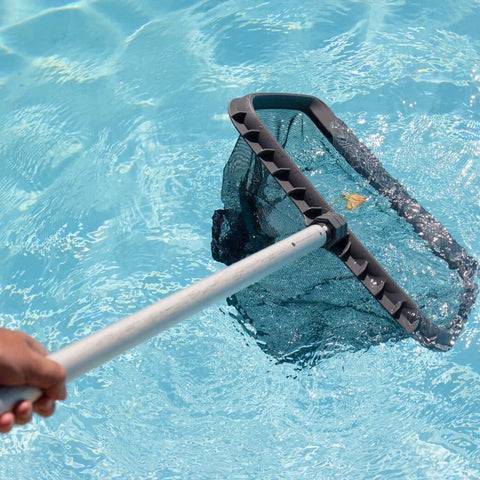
388,270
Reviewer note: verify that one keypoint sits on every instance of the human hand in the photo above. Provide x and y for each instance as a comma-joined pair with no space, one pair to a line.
23,362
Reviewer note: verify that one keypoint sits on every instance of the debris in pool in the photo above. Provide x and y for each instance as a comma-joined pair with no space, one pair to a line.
354,200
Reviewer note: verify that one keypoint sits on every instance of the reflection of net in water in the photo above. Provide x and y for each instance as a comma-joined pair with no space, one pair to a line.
315,306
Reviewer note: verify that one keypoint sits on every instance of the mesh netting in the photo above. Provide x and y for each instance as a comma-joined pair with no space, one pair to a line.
315,306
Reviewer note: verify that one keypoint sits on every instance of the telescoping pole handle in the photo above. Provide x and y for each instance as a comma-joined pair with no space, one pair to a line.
99,347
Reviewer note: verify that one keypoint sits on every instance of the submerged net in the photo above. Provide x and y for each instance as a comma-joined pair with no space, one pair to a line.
315,306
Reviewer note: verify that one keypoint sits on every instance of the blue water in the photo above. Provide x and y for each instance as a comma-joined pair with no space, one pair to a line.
113,136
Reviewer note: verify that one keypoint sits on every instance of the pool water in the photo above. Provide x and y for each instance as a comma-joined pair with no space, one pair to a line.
113,137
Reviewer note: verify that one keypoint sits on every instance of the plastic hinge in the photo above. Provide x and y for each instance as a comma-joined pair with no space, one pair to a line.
266,154
239,117
252,135
281,173
395,308
357,268
297,193
311,214
410,326
374,287
346,250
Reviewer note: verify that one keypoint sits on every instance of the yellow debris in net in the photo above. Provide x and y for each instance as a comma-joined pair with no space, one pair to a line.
354,200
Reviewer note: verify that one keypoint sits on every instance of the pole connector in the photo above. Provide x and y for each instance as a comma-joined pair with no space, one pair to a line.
337,227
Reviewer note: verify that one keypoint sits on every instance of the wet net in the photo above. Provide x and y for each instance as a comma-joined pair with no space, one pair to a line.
293,162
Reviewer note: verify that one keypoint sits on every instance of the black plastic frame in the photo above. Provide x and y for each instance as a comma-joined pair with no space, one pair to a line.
349,249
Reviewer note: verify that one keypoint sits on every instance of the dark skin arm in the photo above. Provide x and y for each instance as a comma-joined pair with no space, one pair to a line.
23,362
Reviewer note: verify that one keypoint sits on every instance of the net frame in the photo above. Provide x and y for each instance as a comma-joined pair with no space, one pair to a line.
347,248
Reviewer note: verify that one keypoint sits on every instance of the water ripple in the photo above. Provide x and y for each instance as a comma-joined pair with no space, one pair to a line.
112,143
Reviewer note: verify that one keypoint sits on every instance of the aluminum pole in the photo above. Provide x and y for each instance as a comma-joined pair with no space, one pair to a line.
99,347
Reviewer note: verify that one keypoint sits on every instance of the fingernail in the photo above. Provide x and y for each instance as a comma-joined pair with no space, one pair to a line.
25,418
25,414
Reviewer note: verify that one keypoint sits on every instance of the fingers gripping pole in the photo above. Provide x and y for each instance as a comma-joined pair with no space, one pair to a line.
99,347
